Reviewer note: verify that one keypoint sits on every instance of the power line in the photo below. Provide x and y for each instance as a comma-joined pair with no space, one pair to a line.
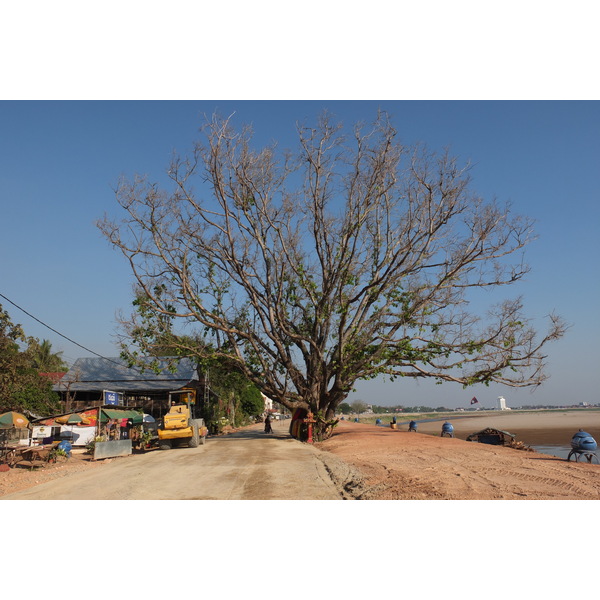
58,332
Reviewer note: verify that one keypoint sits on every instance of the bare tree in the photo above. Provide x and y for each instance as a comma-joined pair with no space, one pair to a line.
69,395
354,257
358,407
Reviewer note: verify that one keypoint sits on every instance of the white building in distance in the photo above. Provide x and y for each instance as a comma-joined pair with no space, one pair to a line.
268,403
502,403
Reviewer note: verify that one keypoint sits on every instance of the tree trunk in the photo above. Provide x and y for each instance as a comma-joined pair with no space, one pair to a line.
325,418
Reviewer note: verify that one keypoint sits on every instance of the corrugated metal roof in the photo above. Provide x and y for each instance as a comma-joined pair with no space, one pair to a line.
97,374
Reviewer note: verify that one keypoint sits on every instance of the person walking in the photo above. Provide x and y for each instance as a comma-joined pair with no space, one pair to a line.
268,428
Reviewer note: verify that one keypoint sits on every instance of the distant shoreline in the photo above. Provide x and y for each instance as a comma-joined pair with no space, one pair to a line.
586,414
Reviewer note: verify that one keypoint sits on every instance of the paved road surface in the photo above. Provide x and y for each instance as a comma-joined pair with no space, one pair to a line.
247,465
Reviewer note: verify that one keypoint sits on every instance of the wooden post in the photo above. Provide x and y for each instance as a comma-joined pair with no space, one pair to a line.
309,421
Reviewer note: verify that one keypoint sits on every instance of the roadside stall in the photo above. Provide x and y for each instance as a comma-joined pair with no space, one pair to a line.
24,445
111,430
121,430
78,428
15,436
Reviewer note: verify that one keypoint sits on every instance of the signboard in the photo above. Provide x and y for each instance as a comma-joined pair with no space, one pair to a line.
111,397
41,431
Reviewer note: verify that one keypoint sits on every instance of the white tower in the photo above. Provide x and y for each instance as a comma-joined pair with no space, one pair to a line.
501,403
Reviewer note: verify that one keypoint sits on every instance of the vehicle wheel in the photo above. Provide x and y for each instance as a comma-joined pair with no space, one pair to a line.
165,445
194,441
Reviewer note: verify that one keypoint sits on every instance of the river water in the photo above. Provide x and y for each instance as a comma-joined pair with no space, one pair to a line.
560,451
556,442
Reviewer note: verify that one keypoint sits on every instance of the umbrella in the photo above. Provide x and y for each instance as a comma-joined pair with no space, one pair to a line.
13,419
73,419
69,419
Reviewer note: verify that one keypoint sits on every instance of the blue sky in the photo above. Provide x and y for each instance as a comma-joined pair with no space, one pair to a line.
59,161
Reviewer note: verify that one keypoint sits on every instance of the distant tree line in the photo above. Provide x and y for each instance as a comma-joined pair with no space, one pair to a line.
359,406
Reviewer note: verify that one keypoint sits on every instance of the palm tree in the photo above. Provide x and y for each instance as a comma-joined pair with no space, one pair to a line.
43,359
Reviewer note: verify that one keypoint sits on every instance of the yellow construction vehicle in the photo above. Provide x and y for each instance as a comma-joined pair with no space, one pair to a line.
179,426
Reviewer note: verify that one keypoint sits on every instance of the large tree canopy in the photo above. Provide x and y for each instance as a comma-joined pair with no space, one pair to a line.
353,257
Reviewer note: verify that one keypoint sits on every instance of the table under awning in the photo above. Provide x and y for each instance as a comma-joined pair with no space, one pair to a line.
107,414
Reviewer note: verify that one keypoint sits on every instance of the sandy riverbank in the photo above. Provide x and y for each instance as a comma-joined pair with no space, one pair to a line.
531,427
395,465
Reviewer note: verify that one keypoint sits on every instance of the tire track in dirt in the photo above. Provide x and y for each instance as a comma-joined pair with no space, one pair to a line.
547,484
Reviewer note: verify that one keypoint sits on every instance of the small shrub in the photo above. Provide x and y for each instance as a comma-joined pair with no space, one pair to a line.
91,445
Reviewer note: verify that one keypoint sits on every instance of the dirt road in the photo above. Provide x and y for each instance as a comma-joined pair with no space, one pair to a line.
247,465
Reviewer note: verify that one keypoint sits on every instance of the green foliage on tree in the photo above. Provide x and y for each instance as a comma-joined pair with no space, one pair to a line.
21,386
237,399
44,359
251,400
35,395
345,408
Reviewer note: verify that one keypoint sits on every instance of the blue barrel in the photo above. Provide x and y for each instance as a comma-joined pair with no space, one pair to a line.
447,427
583,441
66,446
